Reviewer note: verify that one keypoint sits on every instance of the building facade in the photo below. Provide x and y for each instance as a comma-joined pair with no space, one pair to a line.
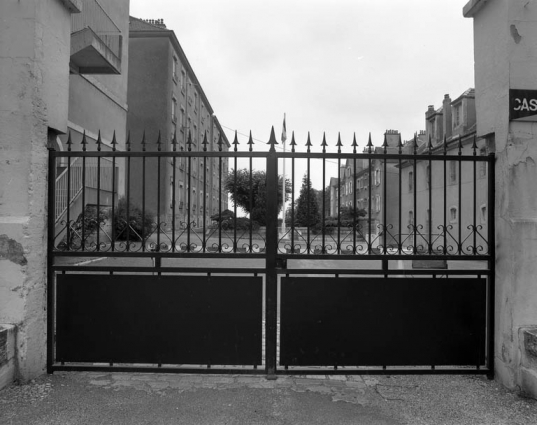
437,192
166,97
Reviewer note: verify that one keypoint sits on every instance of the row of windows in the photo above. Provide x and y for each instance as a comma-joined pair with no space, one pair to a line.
453,216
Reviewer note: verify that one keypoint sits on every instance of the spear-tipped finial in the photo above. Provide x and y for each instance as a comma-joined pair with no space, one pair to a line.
354,144
220,142
143,142
369,144
250,141
205,142
474,145
308,143
84,141
415,147
174,141
460,144
114,141
400,144
385,143
128,141
69,142
445,144
339,144
430,145
293,143
189,141
235,142
158,142
99,141
324,144
272,141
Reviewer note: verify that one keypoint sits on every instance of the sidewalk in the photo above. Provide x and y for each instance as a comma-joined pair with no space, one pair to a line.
136,398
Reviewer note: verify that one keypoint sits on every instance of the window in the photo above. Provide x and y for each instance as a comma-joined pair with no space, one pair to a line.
377,203
174,109
195,102
183,80
453,214
410,181
376,177
174,69
182,118
411,218
452,171
457,115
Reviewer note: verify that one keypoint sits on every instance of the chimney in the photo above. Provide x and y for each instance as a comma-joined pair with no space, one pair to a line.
446,103
392,138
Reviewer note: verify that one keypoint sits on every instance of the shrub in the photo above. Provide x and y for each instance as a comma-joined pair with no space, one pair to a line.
138,225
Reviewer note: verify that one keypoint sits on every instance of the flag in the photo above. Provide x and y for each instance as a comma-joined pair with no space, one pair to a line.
284,131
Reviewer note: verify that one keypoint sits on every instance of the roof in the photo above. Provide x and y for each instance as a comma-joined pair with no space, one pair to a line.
468,93
136,24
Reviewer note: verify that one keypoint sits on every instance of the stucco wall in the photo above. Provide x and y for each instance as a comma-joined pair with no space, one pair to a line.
505,36
34,57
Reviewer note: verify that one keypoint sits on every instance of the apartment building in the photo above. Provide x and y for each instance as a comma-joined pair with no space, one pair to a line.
166,98
435,193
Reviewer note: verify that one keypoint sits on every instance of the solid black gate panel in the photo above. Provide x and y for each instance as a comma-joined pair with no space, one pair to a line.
159,319
382,322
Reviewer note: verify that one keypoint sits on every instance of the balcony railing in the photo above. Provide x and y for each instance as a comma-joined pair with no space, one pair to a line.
95,17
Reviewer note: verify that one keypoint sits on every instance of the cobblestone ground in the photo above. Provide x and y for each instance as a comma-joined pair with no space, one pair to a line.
132,398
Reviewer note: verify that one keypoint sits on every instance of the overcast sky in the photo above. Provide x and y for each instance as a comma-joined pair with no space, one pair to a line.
349,66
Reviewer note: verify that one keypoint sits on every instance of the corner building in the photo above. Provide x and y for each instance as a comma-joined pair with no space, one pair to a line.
166,100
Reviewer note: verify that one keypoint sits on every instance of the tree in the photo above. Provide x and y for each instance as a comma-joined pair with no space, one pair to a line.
347,214
253,200
307,210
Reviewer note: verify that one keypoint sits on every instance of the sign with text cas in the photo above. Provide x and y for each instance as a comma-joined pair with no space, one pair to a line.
522,104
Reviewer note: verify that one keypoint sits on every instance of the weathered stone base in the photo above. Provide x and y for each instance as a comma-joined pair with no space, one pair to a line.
528,361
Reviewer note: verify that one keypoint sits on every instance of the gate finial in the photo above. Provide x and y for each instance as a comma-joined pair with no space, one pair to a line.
143,141
308,143
250,141
369,144
272,141
128,141
84,142
324,144
400,144
460,144
99,141
339,144
415,147
235,142
69,142
385,143
220,142
474,145
354,144
293,143
114,141
189,141
445,144
205,142
430,145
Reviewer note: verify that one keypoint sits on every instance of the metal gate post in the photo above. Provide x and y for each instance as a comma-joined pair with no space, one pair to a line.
271,286
50,286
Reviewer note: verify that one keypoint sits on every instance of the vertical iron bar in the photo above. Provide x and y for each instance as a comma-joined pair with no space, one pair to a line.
235,203
430,213
459,211
204,243
308,209
293,203
323,230
159,176
128,200
400,207
338,204
83,234
492,262
51,313
474,251
353,176
68,218
370,192
174,163
271,290
98,200
189,200
445,197
250,202
113,240
384,212
415,190
220,203
143,201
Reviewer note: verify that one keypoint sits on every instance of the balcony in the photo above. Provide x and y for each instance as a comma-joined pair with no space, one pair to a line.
95,41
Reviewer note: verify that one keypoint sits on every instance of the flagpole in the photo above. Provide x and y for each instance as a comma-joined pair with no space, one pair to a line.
284,138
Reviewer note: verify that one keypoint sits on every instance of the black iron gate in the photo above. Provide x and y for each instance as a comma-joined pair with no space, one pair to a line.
387,268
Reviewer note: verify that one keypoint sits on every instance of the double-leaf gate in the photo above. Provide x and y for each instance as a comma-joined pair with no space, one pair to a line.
387,268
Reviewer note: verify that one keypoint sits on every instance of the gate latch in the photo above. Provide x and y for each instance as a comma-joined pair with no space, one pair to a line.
281,263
